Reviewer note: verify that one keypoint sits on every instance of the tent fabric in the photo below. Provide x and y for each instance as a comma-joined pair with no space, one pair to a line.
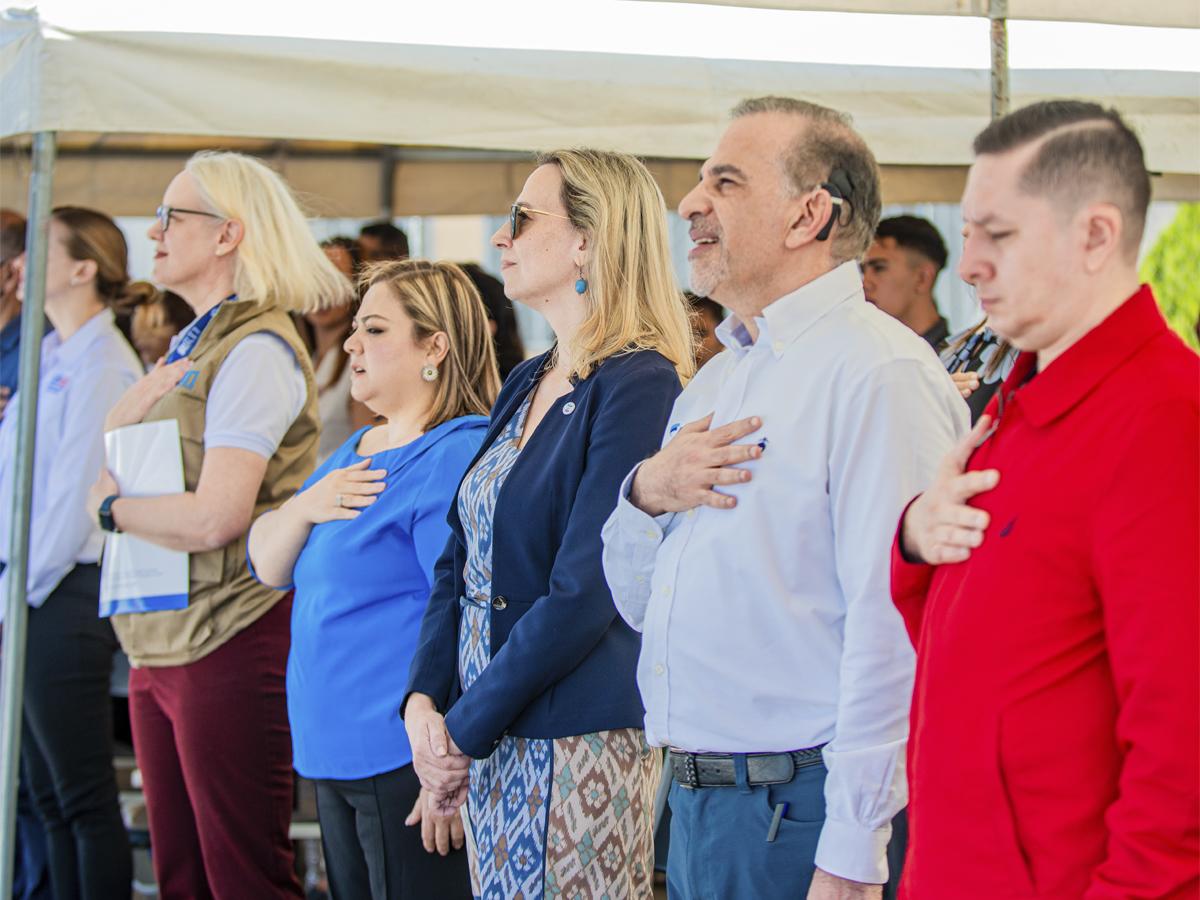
504,99
1158,13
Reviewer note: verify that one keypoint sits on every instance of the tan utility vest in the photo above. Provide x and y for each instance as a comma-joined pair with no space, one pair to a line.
223,597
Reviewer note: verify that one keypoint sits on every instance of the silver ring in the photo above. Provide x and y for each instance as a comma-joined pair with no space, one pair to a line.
338,499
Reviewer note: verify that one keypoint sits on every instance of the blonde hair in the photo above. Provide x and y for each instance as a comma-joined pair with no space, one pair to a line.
633,302
439,296
92,235
278,260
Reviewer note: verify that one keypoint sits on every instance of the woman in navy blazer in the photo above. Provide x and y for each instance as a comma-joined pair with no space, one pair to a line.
522,698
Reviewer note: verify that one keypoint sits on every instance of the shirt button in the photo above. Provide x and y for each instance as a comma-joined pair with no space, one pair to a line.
651,535
665,590
499,603
659,670
640,579
778,346
691,512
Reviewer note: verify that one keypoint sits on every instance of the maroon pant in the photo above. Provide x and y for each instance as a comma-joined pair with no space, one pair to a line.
215,753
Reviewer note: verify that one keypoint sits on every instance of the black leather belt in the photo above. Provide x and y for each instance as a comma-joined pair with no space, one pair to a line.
698,770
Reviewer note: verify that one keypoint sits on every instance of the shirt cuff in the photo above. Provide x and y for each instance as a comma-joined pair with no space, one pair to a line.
638,522
849,850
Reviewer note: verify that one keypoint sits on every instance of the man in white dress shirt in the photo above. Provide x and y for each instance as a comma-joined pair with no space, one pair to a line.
752,551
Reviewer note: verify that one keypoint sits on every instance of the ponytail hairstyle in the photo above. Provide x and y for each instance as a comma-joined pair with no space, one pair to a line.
91,235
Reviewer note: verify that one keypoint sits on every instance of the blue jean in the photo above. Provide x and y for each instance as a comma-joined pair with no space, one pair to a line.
719,846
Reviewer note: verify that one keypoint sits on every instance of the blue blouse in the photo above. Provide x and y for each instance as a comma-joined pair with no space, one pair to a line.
361,589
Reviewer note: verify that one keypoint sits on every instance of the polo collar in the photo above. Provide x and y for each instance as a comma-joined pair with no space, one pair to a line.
1089,361
787,318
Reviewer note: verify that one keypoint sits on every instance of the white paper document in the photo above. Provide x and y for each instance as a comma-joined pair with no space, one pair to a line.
138,576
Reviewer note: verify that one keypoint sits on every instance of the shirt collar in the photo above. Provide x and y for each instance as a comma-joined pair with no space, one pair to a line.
76,346
784,320
1087,362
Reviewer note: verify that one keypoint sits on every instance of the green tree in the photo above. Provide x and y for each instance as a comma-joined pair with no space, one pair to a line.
1172,267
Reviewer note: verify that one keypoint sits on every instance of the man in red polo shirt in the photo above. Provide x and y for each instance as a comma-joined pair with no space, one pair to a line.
1049,579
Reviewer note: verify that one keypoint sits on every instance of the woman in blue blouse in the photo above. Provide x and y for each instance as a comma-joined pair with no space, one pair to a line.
522,698
359,543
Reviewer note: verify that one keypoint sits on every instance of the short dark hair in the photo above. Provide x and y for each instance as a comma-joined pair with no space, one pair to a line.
830,144
393,241
1087,152
12,234
915,233
350,245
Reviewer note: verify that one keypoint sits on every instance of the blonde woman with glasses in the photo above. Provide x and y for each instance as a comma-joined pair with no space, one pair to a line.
523,703
207,690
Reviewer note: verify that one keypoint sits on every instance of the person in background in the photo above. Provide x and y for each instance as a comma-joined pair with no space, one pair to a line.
67,746
12,245
153,324
707,315
751,551
327,329
502,320
523,681
382,241
207,689
31,876
978,360
359,542
900,270
1048,576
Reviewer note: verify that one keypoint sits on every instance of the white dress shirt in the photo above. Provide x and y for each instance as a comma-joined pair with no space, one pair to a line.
81,378
770,627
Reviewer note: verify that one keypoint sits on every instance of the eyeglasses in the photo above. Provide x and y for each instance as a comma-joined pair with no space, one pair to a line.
518,213
164,213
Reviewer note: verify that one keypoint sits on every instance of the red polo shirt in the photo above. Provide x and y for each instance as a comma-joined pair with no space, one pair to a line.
1055,736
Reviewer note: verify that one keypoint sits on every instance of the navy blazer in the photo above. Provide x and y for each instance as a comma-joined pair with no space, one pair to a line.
563,662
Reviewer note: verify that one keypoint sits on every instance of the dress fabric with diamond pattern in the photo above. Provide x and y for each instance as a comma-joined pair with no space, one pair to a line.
547,818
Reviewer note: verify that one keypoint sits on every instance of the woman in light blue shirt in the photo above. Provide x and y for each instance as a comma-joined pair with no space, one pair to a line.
359,543
86,365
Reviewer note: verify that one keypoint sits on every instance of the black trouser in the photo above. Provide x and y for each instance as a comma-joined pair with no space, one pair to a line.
66,746
370,852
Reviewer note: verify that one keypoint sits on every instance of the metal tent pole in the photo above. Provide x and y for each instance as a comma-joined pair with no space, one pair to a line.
998,16
16,612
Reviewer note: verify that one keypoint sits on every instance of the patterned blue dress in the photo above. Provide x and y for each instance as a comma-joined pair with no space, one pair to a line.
562,818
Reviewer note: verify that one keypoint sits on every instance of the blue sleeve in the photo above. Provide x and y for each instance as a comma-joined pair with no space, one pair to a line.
563,627
434,669
337,459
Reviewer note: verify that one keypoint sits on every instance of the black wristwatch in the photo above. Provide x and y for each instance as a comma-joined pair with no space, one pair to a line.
107,522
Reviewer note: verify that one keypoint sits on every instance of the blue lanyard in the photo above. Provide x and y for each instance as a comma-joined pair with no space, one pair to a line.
191,335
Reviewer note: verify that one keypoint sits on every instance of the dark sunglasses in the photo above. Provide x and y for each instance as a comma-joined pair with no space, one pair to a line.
519,213
164,213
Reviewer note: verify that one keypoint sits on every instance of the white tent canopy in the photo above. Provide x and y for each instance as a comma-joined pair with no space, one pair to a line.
357,85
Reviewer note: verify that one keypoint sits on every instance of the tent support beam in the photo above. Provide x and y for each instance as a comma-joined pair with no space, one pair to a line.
16,615
998,17
388,160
